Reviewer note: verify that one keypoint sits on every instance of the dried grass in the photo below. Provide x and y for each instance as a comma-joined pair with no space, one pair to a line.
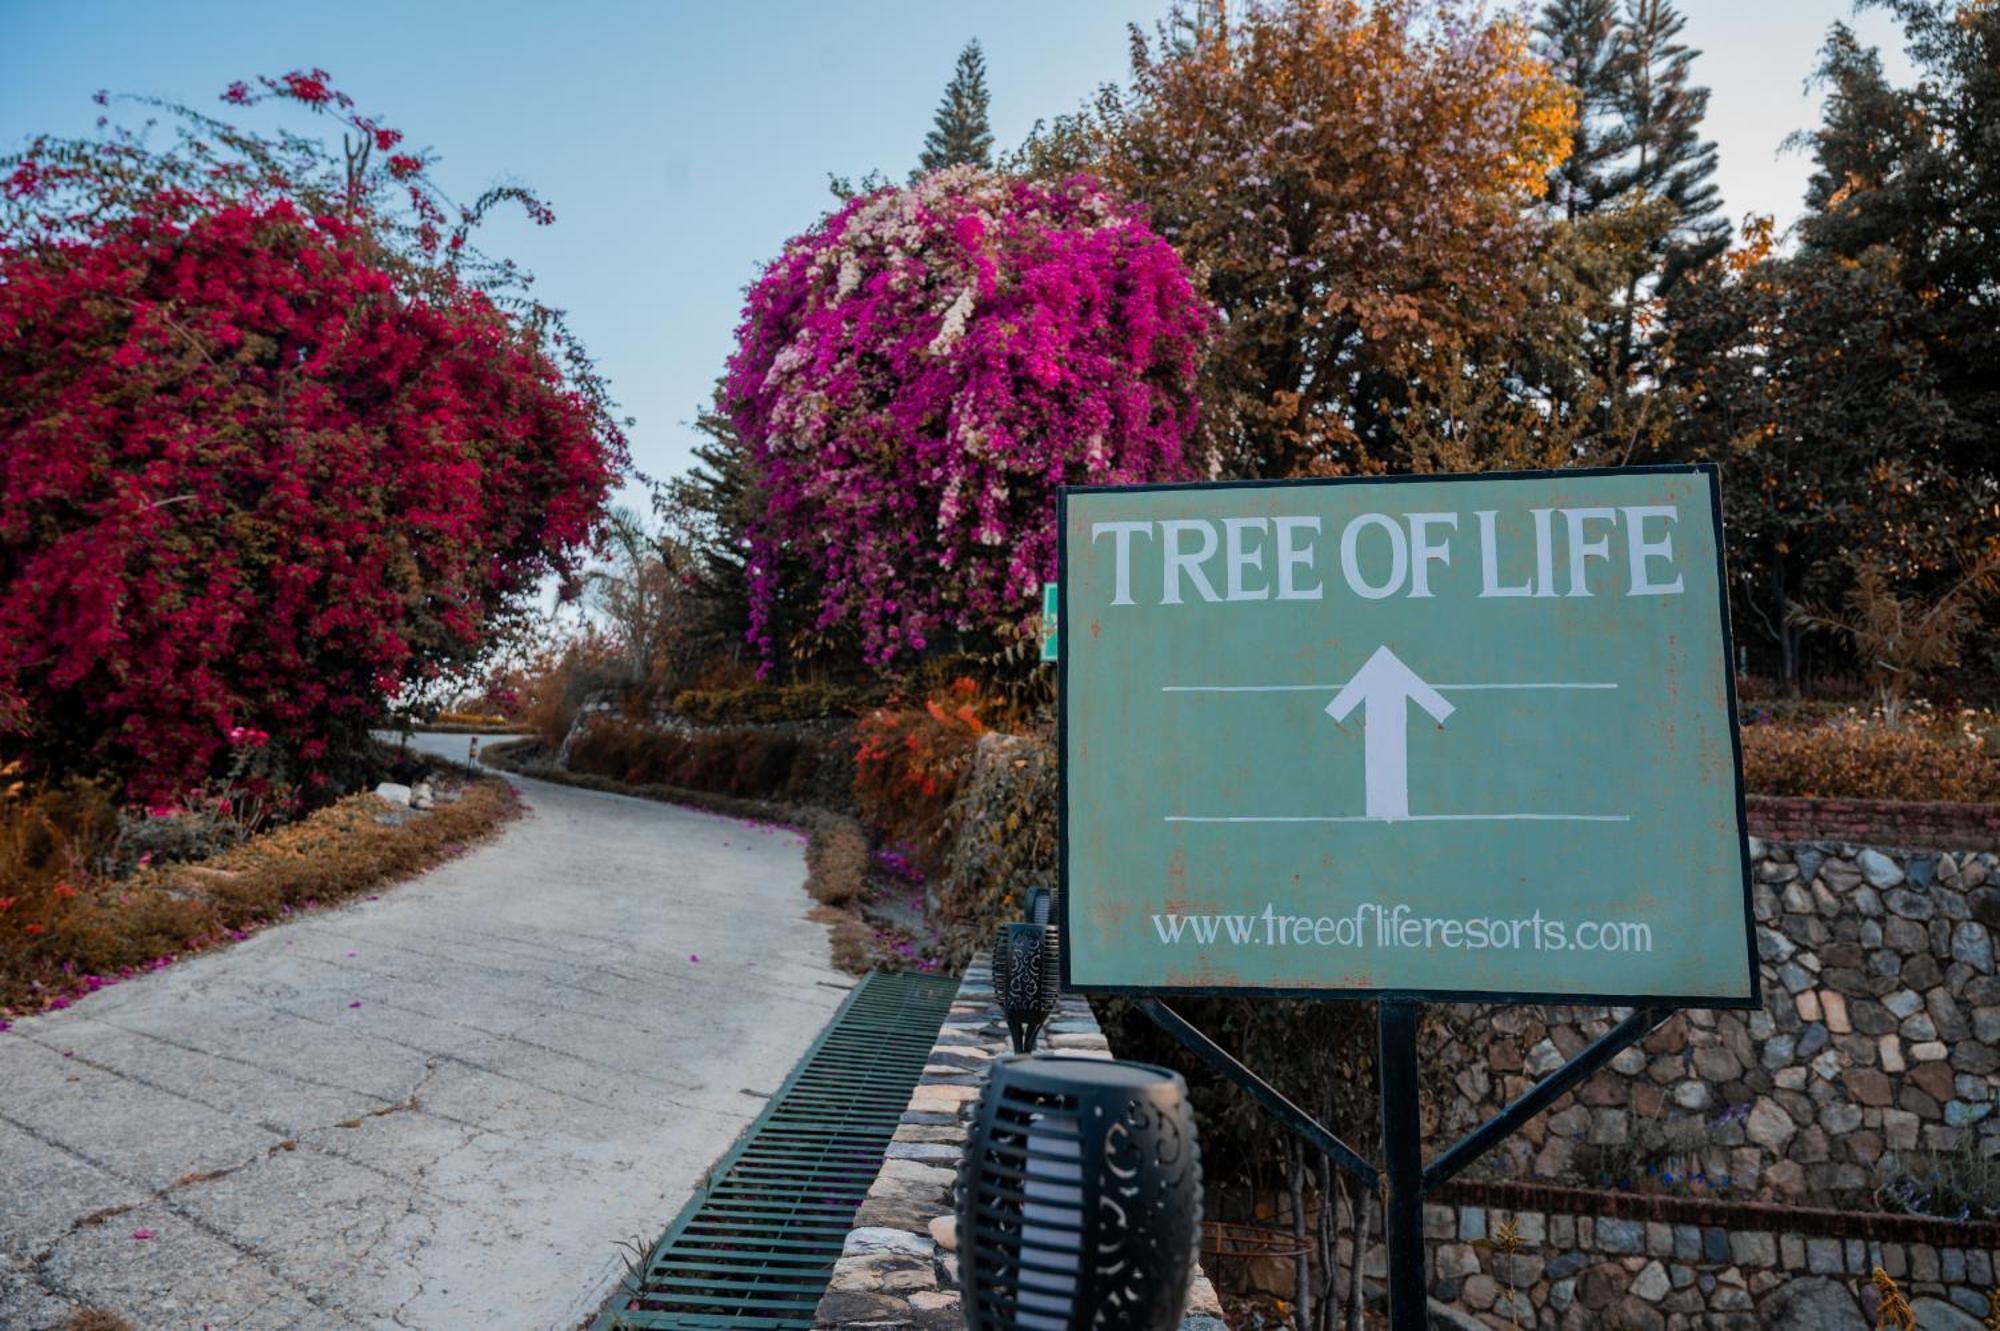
98,929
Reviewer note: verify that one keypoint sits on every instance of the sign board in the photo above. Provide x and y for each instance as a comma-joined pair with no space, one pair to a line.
1437,736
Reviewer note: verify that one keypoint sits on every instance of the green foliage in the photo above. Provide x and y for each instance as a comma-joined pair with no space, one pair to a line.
767,703
961,134
786,766
1807,378
1636,209
714,507
1914,171
1849,386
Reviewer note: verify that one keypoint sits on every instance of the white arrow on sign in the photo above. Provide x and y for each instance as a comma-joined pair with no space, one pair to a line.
1384,687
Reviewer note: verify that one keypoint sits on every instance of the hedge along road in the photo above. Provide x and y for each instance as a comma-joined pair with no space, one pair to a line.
443,1106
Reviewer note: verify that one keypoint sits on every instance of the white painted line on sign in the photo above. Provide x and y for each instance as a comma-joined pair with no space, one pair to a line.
1321,688
1411,818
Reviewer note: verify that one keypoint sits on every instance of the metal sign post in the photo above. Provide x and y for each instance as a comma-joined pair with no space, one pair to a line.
1465,738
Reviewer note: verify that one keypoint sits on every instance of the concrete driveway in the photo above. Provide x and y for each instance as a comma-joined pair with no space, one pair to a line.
442,1107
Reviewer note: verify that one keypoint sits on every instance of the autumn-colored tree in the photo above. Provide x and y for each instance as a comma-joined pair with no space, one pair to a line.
1350,179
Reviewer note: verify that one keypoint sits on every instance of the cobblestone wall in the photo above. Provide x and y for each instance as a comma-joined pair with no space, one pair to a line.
1877,1040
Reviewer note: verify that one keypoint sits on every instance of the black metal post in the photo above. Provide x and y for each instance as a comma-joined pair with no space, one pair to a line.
1402,1164
1298,1120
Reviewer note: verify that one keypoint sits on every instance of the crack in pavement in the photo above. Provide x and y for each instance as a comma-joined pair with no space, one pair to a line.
165,1197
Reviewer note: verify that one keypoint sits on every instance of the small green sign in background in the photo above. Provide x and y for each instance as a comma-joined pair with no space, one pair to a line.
1051,624
1441,736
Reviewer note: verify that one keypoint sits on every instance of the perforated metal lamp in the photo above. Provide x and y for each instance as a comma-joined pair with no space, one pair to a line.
1079,1198
1027,979
1041,905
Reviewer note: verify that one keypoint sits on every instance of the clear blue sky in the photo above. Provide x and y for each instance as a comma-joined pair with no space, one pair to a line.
682,143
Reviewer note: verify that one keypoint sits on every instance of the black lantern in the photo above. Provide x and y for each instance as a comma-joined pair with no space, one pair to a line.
1041,905
1079,1198
1027,979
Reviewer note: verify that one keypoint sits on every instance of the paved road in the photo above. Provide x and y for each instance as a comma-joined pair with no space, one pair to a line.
443,1107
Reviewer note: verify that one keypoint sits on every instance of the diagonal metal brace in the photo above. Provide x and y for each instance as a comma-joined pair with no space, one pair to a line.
1297,1119
1543,1093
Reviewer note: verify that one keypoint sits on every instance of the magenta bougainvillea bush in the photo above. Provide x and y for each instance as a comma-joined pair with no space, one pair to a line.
261,465
915,376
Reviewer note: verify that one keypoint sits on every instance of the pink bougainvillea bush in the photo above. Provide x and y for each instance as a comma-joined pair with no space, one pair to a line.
260,467
916,375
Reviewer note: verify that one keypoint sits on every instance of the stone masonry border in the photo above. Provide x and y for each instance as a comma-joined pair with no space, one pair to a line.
1719,1213
899,1268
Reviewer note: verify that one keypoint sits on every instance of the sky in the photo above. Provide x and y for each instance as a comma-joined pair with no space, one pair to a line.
682,143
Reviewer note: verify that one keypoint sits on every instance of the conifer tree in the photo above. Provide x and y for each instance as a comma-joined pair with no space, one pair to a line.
960,135
1580,40
1660,111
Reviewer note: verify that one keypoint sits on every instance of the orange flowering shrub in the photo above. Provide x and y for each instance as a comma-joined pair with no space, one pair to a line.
910,763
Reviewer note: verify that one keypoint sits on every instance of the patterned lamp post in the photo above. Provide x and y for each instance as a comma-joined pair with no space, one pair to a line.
1079,1198
1027,979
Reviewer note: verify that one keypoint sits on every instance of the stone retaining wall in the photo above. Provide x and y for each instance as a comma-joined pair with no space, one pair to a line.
899,1268
1876,1042
1573,1266
1956,827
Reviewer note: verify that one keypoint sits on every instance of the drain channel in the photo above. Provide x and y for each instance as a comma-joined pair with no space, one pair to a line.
755,1246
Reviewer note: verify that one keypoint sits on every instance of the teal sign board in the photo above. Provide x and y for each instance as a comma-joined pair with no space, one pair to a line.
1443,737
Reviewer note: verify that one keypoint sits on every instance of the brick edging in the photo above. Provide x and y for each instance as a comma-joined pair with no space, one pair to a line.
1927,824
1712,1212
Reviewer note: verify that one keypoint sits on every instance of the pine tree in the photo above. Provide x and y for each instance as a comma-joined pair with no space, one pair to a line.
961,134
1580,40
1661,113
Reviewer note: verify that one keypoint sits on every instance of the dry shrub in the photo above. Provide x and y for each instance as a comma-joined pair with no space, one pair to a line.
96,1319
553,686
786,765
836,860
759,703
1870,762
52,833
852,942
1003,841
100,928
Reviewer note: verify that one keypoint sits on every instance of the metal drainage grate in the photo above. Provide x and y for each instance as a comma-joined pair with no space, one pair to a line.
755,1247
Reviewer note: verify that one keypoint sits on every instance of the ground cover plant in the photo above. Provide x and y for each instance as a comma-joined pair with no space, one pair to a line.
71,924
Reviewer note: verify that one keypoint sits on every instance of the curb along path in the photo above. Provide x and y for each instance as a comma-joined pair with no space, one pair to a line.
446,1105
